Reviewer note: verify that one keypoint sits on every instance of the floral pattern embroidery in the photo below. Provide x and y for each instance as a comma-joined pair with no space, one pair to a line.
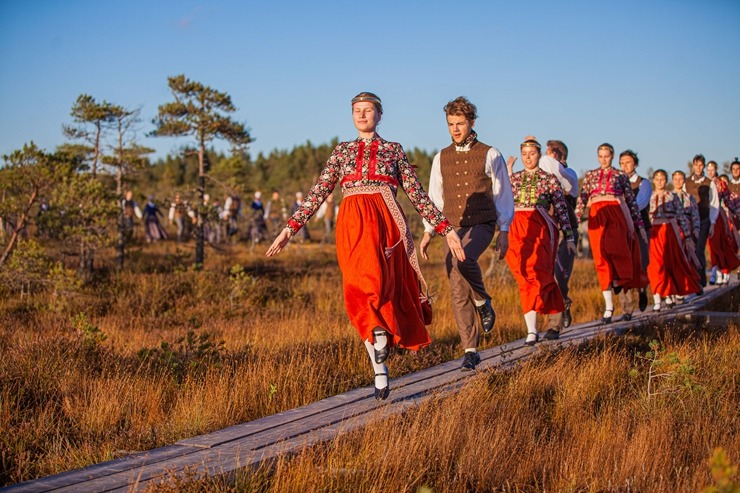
690,211
608,181
541,189
726,196
367,162
667,205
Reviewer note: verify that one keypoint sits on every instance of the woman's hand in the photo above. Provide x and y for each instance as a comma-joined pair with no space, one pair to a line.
280,242
425,240
453,241
510,165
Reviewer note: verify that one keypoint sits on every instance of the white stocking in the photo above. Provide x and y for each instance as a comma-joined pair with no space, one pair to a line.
380,381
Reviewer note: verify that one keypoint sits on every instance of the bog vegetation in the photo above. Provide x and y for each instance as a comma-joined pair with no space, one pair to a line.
110,344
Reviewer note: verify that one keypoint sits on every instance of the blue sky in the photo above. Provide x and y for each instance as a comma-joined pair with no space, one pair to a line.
659,77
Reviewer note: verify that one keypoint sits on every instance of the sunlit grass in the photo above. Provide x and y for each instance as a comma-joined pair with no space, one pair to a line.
160,352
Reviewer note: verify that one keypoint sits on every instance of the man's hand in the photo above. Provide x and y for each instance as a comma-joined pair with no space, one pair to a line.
643,235
711,230
453,241
425,241
571,245
502,244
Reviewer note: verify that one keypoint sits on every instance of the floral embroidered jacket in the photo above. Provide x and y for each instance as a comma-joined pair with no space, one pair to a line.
368,162
690,211
541,189
667,205
726,197
608,181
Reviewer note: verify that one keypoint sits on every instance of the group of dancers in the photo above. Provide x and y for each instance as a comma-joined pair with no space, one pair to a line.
639,235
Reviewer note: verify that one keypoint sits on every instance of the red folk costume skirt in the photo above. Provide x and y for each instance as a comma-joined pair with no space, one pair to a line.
531,258
670,271
614,245
722,245
380,271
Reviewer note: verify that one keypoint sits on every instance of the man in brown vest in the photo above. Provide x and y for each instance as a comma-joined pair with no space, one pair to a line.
628,162
705,192
469,183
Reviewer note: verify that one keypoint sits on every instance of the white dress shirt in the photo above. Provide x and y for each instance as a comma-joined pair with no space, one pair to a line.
567,177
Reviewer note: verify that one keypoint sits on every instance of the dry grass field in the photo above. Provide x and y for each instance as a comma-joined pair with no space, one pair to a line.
159,352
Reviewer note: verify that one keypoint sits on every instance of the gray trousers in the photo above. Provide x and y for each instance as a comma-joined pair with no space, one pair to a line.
563,271
701,248
466,281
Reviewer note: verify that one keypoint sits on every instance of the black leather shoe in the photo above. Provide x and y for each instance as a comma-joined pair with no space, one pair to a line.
617,289
470,361
607,319
626,317
551,335
382,394
381,354
567,318
643,300
487,316
532,343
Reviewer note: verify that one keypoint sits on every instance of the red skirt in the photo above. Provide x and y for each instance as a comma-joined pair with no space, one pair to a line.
722,246
381,287
531,258
615,251
669,271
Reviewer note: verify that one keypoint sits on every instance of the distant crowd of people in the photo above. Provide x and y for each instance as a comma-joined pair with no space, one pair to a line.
259,221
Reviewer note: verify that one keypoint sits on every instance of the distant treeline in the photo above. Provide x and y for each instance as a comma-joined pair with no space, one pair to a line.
287,171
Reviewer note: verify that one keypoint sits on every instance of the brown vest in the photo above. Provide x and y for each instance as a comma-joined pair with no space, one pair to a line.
467,190
700,191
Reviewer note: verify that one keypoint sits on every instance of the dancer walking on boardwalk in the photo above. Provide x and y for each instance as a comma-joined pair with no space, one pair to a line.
670,271
383,285
613,224
533,239
469,183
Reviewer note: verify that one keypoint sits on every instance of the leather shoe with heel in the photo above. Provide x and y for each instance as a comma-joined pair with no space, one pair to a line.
470,361
487,316
551,335
382,394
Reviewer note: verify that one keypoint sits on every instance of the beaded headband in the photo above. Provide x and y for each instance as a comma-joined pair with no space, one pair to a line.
531,143
371,99
606,146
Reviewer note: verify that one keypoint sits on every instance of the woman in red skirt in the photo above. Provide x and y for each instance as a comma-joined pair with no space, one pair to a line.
383,286
670,272
722,245
533,239
613,222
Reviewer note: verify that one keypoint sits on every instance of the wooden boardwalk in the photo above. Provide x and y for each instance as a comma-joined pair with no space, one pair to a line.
246,445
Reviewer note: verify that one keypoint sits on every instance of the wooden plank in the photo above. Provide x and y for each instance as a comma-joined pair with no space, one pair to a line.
249,444
103,469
